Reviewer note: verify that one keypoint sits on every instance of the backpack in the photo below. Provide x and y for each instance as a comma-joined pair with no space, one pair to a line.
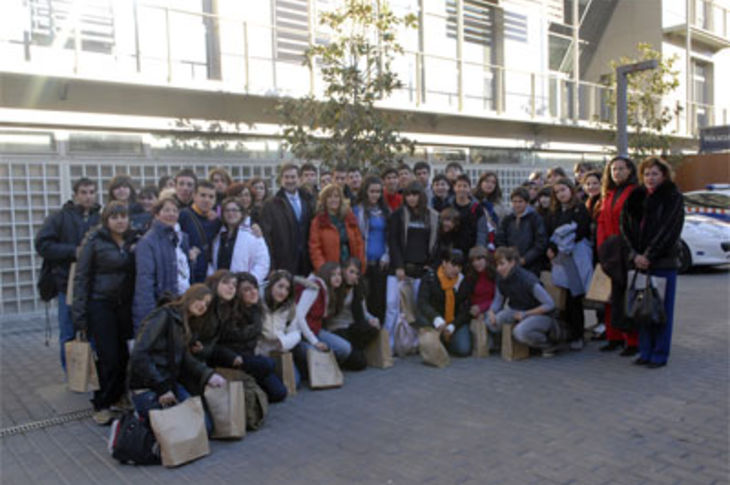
257,403
47,282
131,441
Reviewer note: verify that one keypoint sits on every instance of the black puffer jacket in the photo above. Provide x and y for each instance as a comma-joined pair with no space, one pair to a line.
104,271
651,224
59,237
149,364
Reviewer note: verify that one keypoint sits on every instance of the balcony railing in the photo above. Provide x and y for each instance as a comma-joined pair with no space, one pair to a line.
709,15
167,46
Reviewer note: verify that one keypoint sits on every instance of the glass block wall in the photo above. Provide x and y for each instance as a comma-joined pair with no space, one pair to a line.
33,186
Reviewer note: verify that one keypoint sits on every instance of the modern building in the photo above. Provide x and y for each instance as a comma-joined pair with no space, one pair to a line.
99,87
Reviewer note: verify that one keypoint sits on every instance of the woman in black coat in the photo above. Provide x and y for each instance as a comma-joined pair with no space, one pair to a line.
161,359
651,224
102,306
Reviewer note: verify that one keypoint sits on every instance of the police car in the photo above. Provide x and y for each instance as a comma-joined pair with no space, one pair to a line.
706,233
713,202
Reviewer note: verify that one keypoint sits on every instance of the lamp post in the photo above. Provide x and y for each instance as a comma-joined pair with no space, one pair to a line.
621,110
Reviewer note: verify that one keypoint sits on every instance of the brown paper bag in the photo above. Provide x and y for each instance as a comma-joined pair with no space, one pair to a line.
480,347
511,348
285,371
324,372
600,289
230,374
80,366
558,294
227,407
431,349
378,353
180,431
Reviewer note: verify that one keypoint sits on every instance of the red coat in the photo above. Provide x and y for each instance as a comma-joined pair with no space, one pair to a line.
318,310
324,240
609,217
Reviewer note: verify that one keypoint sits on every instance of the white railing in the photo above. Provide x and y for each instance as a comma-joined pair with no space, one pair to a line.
167,46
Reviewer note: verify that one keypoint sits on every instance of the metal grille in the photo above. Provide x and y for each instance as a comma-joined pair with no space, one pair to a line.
478,21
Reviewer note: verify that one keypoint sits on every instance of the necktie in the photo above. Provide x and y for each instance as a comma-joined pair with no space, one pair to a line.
297,206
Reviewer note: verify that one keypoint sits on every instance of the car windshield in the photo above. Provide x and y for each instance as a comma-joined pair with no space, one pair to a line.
710,200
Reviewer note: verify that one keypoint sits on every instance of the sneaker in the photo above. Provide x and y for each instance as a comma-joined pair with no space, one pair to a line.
123,404
550,351
576,344
102,417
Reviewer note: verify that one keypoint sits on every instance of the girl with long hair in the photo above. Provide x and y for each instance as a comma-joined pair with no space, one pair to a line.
412,233
240,335
618,181
569,252
237,249
372,215
161,359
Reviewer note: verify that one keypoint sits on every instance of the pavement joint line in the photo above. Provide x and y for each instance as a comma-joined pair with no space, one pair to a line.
45,423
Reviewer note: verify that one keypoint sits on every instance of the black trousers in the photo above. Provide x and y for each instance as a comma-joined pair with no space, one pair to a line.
110,325
359,335
574,316
375,283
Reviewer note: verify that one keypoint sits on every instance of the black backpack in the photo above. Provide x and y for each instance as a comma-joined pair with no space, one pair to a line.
132,441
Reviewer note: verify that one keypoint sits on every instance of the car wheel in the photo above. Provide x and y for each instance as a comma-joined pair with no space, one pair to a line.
685,258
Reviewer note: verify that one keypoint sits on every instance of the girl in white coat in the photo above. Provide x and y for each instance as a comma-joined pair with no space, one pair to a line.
237,249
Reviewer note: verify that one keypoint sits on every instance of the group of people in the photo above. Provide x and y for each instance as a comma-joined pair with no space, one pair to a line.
201,274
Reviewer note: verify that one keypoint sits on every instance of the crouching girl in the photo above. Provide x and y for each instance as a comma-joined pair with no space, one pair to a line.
317,299
521,300
160,359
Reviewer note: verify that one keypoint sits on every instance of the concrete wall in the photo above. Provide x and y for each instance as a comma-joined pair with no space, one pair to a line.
633,21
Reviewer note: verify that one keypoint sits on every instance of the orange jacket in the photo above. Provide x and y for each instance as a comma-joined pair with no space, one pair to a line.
324,240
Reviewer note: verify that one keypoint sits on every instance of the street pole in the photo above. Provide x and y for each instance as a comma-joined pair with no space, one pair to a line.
621,109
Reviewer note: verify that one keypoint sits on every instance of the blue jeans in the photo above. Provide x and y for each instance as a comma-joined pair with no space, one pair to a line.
65,326
263,369
654,342
460,343
146,401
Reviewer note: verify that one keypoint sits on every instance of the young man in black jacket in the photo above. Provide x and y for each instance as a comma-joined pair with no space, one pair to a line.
56,243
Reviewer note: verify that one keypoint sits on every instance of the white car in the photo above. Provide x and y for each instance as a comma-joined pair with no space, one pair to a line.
705,242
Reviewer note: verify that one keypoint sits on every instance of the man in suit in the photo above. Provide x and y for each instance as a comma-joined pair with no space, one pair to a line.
285,220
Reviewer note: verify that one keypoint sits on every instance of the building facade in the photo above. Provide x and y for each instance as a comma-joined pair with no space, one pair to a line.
99,87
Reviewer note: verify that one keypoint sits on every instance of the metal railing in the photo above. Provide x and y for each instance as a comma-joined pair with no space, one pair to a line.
167,46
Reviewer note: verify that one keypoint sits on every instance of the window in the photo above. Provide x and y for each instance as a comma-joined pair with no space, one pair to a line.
478,21
291,20
55,21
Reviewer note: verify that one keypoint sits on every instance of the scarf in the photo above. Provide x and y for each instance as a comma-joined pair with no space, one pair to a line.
448,286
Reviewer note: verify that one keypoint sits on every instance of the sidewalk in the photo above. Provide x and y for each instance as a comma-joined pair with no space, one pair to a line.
581,417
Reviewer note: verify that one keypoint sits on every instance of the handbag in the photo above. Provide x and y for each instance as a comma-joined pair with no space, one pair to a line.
431,349
479,337
600,288
80,365
256,400
180,431
285,371
227,407
378,353
131,441
324,373
644,306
